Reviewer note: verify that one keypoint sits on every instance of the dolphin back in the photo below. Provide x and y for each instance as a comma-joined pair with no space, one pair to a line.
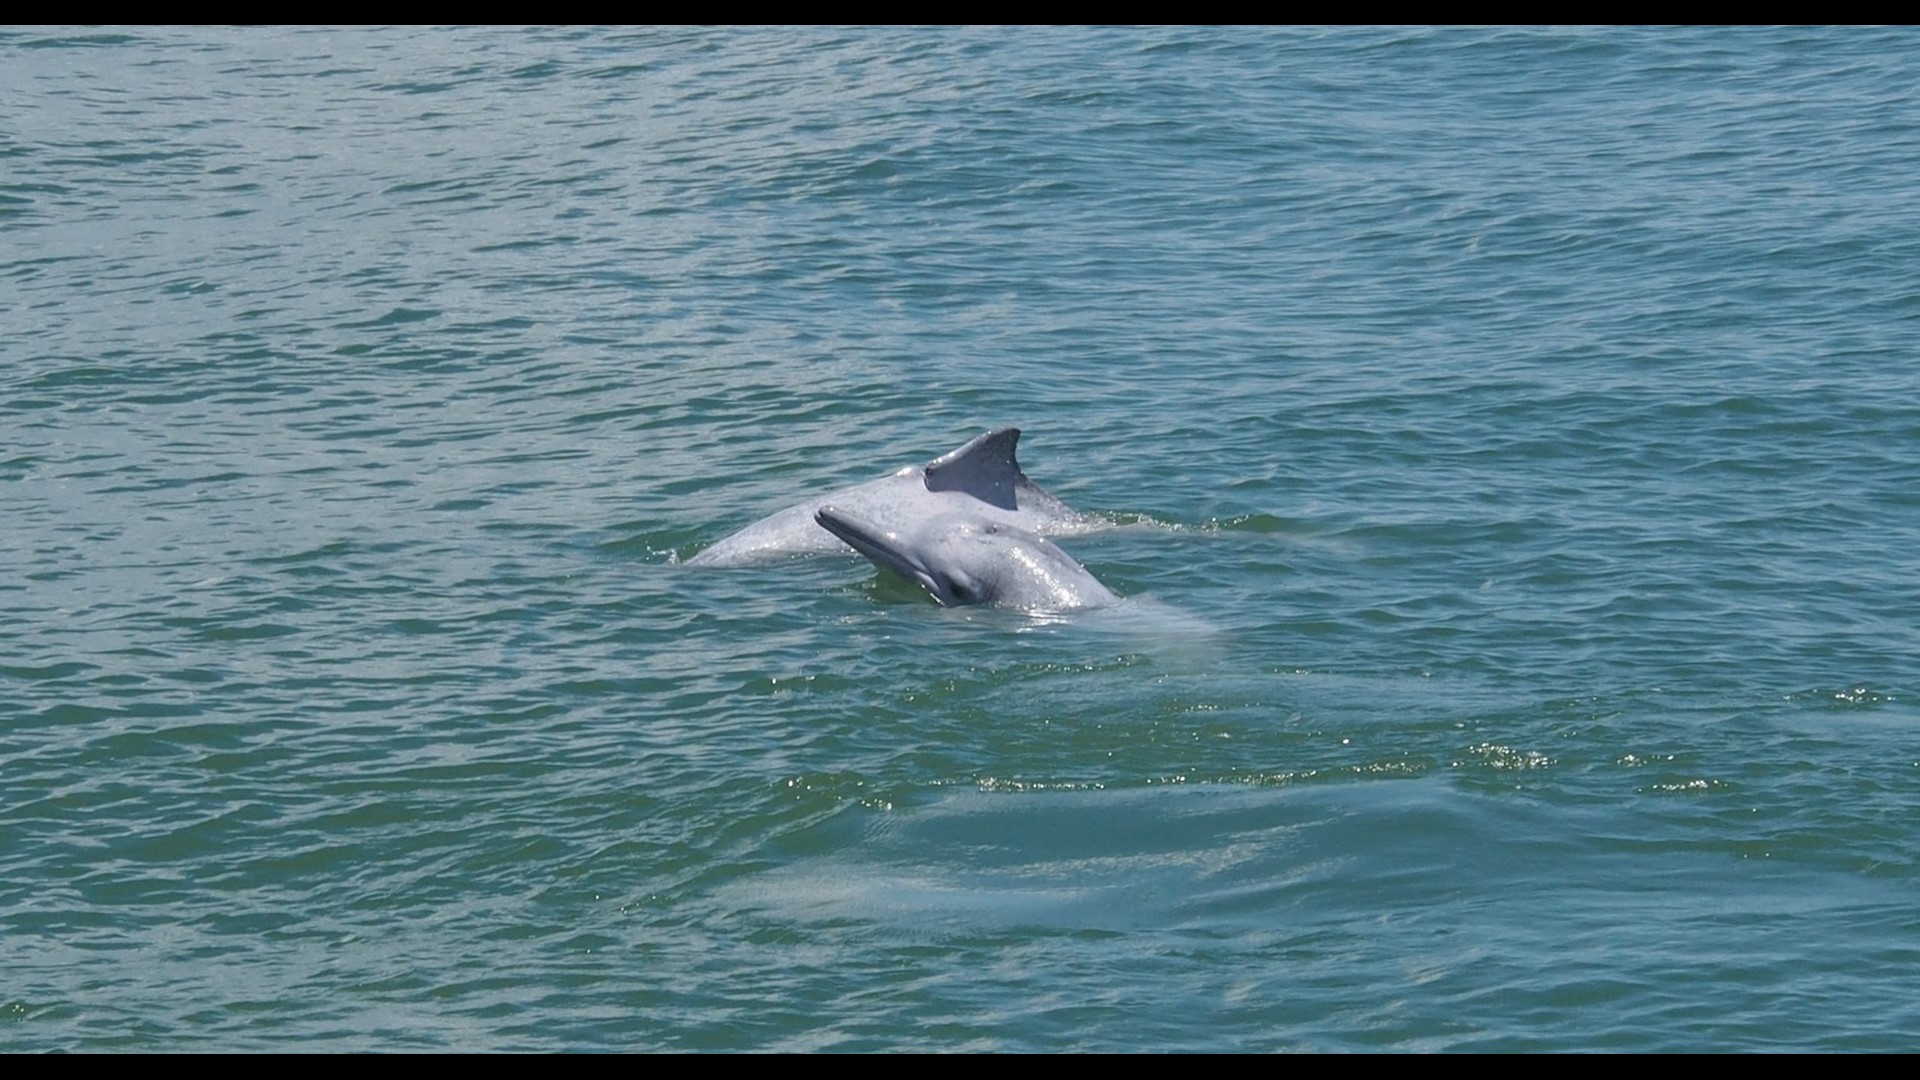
981,475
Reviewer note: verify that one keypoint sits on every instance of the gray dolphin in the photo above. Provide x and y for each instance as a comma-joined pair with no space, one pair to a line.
981,478
966,558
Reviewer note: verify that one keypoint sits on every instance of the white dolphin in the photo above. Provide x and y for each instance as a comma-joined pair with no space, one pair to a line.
965,558
980,478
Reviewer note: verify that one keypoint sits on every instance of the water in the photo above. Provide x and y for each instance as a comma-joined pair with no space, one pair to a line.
1515,437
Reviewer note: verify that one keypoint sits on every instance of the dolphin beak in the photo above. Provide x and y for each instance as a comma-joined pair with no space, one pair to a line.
878,545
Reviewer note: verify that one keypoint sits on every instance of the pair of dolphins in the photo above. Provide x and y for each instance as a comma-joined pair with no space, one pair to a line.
967,526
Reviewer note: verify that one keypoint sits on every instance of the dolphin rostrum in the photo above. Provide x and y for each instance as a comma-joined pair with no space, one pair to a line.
967,558
981,478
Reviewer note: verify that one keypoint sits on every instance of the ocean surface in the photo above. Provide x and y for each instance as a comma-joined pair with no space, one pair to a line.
1509,443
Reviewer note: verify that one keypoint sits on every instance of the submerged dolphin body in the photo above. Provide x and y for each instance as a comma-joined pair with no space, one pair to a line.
965,558
980,478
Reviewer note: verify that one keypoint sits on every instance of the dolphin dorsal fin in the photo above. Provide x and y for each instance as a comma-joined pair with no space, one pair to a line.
984,468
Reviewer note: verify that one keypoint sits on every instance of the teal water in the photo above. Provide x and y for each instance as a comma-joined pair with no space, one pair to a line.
1512,438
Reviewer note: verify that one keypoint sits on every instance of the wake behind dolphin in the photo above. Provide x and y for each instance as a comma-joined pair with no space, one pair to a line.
981,478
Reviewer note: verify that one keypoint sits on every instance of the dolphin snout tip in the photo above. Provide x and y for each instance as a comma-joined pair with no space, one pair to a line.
839,522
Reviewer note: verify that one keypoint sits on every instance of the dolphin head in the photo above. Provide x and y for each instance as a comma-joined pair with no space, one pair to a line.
939,567
968,559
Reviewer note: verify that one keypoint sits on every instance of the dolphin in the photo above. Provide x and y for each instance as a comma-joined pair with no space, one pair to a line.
968,558
980,478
